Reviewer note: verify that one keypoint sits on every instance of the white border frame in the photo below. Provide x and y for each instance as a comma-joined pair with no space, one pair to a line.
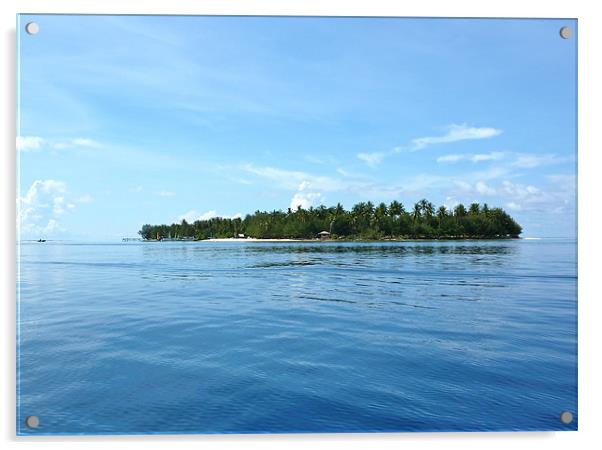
590,38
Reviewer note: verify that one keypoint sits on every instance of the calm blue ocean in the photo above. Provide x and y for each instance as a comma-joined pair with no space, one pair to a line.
233,337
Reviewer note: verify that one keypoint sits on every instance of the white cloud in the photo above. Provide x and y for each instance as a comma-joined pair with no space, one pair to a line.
474,158
309,189
28,143
563,180
304,185
554,198
193,216
529,161
492,156
449,158
41,206
290,179
480,187
464,185
456,133
450,203
372,159
57,205
305,199
519,191
32,143
50,227
477,185
84,142
483,189
75,142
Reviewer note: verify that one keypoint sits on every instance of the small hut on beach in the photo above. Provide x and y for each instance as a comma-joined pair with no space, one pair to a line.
323,235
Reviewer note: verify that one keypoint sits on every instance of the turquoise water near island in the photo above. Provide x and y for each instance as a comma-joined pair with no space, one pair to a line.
258,337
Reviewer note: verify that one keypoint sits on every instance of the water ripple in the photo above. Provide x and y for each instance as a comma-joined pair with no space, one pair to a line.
297,337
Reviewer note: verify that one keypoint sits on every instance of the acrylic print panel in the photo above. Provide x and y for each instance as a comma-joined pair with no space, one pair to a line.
296,224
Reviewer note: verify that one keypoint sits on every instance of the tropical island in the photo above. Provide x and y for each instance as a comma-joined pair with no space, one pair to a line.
364,221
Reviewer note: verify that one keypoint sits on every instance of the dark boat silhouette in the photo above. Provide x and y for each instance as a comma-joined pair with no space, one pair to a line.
41,240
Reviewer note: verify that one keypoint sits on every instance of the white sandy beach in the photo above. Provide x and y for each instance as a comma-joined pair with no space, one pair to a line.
252,240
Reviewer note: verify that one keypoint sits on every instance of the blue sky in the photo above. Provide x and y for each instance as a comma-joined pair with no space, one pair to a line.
127,120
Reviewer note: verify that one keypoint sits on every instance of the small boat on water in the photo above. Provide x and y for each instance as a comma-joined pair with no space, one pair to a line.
41,240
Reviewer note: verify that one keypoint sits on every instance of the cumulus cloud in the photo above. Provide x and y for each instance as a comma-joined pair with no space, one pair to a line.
304,199
29,143
193,216
529,198
555,198
58,206
483,189
519,191
41,207
486,185
456,133
450,203
480,187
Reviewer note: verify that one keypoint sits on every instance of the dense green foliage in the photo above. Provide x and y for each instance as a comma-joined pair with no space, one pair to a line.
364,221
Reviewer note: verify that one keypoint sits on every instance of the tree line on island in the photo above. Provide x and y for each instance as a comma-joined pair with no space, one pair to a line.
364,221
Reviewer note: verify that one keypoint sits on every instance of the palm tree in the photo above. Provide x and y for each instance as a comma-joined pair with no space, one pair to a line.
369,209
417,212
474,209
336,213
395,209
339,210
460,210
358,209
429,210
380,211
357,215
441,213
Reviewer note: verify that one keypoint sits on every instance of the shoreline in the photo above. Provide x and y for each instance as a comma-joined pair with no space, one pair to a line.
343,240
